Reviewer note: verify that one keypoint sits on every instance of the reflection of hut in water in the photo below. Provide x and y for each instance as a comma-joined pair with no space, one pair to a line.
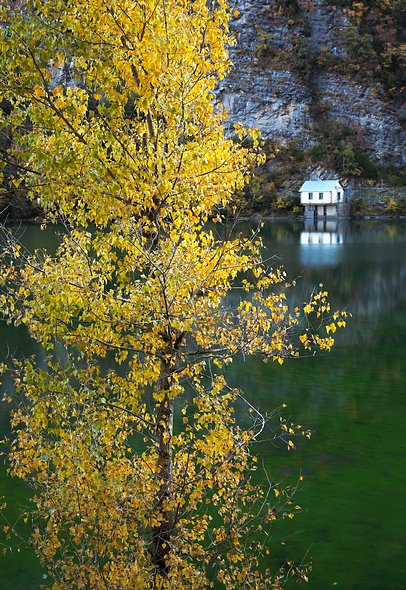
323,198
320,241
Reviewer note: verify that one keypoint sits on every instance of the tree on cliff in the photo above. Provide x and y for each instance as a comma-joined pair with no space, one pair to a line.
128,435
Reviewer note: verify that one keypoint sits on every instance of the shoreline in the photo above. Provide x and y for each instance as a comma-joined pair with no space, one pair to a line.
254,217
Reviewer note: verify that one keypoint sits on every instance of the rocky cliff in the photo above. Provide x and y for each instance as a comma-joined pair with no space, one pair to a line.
310,73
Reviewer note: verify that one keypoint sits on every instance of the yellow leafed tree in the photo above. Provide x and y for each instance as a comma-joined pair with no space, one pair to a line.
113,129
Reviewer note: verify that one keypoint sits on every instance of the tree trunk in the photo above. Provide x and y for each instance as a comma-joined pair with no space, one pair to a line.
161,534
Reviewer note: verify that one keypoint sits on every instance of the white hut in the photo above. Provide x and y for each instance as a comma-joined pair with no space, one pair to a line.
323,198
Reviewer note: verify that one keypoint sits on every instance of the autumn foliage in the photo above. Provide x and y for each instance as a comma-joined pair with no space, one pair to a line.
128,433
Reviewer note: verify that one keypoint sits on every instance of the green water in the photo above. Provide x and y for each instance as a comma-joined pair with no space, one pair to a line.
353,522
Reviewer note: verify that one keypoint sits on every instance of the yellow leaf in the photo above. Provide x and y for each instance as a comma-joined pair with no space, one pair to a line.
38,91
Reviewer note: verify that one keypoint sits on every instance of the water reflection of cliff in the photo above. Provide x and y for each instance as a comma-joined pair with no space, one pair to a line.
368,265
361,264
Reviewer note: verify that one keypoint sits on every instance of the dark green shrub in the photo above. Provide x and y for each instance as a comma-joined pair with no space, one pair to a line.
264,46
359,47
317,153
304,58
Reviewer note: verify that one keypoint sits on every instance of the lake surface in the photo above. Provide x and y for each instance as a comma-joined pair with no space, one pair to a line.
353,519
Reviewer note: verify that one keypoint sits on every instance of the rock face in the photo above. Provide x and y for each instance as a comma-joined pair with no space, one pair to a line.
266,90
274,101
364,108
